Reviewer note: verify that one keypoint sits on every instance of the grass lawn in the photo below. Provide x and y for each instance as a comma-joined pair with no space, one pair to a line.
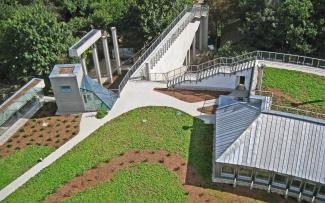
296,89
19,161
139,183
143,128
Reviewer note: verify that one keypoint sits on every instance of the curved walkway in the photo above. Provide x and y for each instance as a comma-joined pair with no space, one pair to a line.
105,172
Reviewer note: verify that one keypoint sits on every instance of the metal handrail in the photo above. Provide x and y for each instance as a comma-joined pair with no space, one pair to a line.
298,111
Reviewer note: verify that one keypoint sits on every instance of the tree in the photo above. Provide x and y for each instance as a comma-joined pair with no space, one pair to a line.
296,27
32,41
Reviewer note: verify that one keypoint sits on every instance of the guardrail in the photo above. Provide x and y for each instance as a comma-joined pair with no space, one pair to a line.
289,109
298,111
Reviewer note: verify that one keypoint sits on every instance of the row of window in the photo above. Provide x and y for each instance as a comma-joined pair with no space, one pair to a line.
278,180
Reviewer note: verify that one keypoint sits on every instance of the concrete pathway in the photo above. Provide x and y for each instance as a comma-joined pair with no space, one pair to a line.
136,94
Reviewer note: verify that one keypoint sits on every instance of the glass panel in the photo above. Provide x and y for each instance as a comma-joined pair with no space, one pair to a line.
322,190
309,187
280,178
245,172
295,183
263,175
227,171
66,89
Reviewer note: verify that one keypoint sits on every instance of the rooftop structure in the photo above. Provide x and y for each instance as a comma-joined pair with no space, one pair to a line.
286,148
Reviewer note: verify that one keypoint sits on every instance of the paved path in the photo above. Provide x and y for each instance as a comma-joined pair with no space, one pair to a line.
136,94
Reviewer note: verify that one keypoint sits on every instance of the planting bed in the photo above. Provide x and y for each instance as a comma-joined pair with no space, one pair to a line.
44,129
192,96
208,109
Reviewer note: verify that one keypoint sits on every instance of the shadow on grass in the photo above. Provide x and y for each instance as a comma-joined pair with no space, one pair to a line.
200,158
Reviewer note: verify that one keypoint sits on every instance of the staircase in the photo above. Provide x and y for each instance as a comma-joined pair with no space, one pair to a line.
197,73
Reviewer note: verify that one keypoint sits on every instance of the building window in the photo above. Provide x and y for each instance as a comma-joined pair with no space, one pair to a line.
295,185
242,80
309,188
262,176
66,89
227,171
321,191
245,174
279,180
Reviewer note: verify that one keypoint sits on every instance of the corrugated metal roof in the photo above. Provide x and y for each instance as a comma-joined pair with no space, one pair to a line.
280,142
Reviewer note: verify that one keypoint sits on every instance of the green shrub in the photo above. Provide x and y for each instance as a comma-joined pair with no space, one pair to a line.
101,113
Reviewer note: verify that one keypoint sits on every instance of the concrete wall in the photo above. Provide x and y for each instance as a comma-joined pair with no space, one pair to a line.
175,55
220,81
68,102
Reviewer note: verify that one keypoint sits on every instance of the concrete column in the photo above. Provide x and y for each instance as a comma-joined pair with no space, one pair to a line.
83,64
193,47
116,49
205,29
96,63
189,56
107,58
147,71
200,36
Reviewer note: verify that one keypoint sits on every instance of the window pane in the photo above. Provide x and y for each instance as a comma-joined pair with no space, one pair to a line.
66,89
309,187
245,172
295,183
279,178
227,169
264,175
322,190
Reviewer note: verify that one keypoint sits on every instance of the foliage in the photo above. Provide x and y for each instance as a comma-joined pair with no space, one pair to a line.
285,27
101,113
139,183
32,41
19,161
297,87
164,129
229,50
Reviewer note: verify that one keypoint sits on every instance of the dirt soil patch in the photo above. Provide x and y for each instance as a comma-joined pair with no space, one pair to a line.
194,186
105,172
192,96
208,109
116,80
44,129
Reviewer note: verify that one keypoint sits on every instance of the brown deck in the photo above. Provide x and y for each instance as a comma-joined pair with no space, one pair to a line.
20,92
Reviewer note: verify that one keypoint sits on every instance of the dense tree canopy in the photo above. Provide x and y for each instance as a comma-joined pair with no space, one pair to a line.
32,41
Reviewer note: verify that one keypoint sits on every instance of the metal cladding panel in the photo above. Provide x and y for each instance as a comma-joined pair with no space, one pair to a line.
85,42
279,142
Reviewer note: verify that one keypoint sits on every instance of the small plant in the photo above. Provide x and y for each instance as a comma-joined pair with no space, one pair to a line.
145,161
75,127
34,131
31,140
17,148
101,113
49,118
28,143
18,141
41,129
168,155
201,194
34,120
121,164
40,135
121,154
16,136
24,136
93,167
65,120
21,130
57,135
137,152
68,126
161,161
49,125
131,161
10,140
49,139
67,131
32,127
9,145
57,141
58,124
177,168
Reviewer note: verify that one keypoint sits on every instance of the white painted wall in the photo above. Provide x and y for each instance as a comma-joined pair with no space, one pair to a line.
220,81
175,55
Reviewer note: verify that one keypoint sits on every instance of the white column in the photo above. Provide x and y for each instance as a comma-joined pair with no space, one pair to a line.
147,71
193,46
83,64
107,58
200,36
96,63
189,56
116,49
205,27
